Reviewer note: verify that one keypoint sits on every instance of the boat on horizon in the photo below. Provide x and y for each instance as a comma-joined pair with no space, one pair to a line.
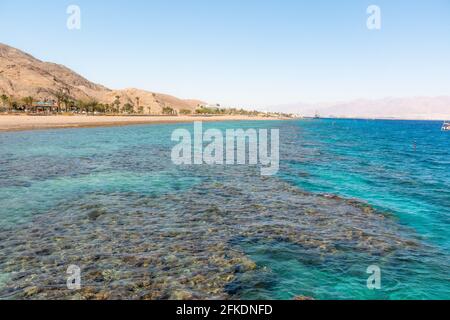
446,126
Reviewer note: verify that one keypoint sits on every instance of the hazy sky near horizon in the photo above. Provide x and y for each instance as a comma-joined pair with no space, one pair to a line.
243,52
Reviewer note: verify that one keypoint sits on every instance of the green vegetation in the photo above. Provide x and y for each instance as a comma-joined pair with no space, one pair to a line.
169,111
28,101
4,99
128,108
185,111
205,110
5,102
64,103
116,108
226,111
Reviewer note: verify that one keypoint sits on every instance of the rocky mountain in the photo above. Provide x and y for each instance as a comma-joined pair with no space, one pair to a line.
22,75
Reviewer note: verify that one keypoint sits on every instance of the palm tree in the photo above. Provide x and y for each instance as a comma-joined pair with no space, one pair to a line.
66,102
11,103
138,102
168,110
128,108
94,105
28,101
5,100
117,104
82,106
62,97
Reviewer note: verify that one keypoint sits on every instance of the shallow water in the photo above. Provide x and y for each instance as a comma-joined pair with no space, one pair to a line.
110,201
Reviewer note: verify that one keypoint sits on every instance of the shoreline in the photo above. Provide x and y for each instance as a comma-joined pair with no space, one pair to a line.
380,118
12,123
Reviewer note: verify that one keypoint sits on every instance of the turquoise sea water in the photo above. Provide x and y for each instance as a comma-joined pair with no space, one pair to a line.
110,199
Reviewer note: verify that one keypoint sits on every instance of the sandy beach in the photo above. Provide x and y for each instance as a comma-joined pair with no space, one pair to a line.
27,122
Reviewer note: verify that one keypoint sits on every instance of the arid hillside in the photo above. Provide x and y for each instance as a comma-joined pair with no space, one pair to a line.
22,75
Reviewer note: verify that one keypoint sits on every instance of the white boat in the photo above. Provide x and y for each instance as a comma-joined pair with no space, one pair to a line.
446,126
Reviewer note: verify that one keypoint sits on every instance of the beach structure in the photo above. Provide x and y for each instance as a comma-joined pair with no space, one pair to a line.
43,106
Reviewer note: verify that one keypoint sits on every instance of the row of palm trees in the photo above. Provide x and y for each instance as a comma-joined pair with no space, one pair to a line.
64,103
10,104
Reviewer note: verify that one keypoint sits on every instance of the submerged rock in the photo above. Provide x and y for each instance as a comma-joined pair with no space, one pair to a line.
303,298
187,245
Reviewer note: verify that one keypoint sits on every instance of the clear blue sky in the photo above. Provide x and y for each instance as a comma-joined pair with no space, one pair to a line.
243,52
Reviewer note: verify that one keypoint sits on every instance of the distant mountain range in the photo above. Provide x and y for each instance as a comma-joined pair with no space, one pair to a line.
421,108
22,75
